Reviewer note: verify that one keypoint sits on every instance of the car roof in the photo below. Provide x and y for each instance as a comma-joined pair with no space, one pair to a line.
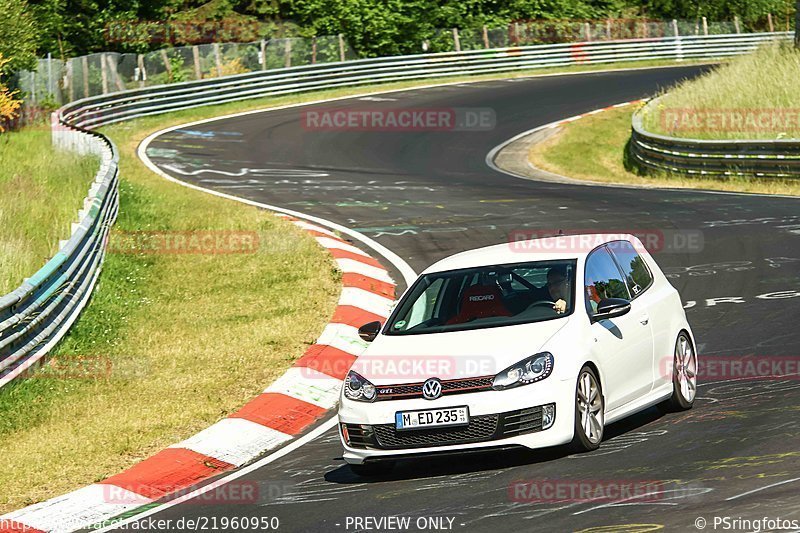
573,247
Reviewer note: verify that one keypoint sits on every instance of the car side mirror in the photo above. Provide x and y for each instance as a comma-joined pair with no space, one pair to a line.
611,308
368,332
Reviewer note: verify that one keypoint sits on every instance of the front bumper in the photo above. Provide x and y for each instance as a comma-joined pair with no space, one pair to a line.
497,419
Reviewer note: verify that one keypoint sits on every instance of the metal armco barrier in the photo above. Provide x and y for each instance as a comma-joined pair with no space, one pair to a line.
38,313
116,107
761,158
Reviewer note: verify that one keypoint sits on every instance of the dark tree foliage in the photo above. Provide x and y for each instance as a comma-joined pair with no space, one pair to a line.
372,27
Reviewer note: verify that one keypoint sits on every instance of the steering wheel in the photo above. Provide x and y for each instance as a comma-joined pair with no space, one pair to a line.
542,302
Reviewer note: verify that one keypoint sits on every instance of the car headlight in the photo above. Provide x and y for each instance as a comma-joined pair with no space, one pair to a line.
534,368
358,388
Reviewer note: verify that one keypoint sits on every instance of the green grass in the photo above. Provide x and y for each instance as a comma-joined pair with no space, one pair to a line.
766,80
594,149
41,191
189,338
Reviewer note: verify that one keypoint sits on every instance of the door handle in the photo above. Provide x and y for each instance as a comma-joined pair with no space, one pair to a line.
644,320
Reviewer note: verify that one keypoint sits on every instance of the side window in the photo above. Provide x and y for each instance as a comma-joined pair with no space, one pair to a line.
637,275
425,307
603,280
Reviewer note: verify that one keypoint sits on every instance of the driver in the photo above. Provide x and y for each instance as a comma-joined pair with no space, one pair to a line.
556,289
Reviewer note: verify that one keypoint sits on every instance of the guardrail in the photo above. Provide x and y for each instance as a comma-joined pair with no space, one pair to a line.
40,311
761,158
37,314
115,107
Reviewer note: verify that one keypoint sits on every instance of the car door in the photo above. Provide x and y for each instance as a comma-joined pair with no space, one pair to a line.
623,345
650,303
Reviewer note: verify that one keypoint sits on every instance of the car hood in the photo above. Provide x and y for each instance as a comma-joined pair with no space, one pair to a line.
395,359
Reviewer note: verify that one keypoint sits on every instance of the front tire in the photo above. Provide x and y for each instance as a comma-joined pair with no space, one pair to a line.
380,468
589,412
684,375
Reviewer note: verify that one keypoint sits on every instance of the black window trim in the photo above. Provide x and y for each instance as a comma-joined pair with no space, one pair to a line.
619,266
393,316
616,264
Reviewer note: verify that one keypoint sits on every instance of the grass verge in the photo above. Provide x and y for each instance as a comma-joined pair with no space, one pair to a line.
594,148
189,338
752,97
41,191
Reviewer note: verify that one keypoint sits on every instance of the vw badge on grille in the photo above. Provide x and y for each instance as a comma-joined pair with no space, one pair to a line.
432,389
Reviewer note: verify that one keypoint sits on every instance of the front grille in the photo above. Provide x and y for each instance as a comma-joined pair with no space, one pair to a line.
450,386
480,429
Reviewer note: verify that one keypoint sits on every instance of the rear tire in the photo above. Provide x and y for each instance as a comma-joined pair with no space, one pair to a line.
589,412
684,376
380,468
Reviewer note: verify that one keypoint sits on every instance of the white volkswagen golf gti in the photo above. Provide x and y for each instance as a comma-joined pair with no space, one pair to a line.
532,344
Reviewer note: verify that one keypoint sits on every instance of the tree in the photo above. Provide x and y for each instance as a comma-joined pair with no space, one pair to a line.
18,36
9,104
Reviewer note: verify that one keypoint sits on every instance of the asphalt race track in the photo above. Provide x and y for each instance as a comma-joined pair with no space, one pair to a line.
428,194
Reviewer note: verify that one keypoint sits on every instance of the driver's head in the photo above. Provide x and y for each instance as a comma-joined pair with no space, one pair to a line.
558,283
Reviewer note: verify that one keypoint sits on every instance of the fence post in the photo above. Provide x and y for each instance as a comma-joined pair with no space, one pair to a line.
167,65
85,69
287,53
485,37
112,68
736,24
705,26
587,30
104,73
341,47
69,80
218,60
314,50
263,54
516,33
198,72
678,44
456,40
608,29
797,25
142,71
49,73
769,21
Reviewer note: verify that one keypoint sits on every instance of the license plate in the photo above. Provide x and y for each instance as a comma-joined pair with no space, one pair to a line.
432,418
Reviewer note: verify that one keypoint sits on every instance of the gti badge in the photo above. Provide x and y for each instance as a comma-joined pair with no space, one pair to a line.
432,389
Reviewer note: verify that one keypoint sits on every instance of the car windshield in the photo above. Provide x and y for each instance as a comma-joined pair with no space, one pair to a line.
484,297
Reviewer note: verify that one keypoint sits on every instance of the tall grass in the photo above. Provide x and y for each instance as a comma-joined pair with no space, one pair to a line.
767,80
41,190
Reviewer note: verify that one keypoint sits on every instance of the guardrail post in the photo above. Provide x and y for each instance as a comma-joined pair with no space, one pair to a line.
608,29
587,30
516,33
456,40
736,24
287,53
705,26
341,47
104,73
769,21
198,72
485,37
217,59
